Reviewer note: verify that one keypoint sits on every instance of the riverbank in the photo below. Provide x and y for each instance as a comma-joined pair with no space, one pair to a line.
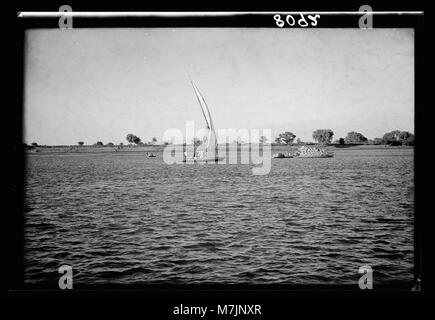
93,149
160,148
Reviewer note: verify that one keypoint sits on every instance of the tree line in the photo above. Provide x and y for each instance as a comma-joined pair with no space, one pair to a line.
325,136
321,136
132,139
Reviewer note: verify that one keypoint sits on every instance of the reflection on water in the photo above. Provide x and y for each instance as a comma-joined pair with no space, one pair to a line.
127,219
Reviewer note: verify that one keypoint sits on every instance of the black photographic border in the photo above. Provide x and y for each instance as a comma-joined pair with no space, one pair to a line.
201,294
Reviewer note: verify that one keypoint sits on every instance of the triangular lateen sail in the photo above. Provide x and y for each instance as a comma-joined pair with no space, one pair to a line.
210,148
204,107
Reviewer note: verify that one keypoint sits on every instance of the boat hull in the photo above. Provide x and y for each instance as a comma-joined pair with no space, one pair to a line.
281,155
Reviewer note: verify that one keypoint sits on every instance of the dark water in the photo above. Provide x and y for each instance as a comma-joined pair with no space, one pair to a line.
127,219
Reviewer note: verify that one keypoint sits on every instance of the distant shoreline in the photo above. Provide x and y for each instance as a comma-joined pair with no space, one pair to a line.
160,148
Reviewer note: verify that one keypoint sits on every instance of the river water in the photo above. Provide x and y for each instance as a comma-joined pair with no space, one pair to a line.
123,218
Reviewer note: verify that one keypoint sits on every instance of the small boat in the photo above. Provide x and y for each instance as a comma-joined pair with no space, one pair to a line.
203,160
281,155
151,155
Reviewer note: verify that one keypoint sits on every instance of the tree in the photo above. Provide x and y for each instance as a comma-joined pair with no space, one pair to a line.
323,136
34,144
99,144
263,140
298,141
397,137
80,143
154,140
110,144
355,137
130,138
407,138
341,141
391,137
286,137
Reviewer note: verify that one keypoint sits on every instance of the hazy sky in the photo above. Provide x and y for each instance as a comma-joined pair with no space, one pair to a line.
101,84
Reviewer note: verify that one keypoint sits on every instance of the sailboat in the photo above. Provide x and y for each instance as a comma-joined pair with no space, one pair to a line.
208,150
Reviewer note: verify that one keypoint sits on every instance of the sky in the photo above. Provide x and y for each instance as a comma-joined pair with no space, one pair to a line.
101,84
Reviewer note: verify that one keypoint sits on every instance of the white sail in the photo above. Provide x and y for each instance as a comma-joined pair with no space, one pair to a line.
209,148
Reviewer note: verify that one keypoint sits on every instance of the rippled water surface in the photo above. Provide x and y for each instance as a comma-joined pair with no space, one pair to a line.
123,218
